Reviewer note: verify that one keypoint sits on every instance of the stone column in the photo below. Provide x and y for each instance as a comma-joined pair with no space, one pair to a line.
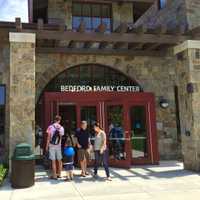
21,89
188,76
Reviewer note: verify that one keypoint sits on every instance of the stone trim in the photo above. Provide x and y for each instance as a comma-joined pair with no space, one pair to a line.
188,44
22,37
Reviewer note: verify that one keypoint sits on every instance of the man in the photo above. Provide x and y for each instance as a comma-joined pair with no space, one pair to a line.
54,136
83,144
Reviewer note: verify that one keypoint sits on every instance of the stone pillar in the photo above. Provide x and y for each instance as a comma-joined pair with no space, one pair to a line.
122,13
21,89
188,76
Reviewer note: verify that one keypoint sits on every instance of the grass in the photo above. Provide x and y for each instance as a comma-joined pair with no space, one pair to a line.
3,172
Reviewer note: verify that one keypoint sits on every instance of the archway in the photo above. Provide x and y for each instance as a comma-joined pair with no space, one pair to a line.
94,92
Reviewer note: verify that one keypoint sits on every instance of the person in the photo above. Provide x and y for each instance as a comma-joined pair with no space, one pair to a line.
54,135
83,145
68,160
100,151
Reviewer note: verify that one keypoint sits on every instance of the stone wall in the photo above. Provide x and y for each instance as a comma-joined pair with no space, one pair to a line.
155,75
174,13
188,71
122,13
21,90
60,11
193,13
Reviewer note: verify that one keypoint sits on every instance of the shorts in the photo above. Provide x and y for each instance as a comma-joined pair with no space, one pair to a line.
83,154
69,166
55,153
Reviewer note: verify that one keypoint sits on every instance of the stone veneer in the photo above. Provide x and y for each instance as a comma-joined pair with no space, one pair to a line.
172,15
155,74
21,89
176,12
188,71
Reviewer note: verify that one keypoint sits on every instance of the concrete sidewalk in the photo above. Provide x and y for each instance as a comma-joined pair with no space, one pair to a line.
165,182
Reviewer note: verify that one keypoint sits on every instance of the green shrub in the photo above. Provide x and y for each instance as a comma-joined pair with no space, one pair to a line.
3,172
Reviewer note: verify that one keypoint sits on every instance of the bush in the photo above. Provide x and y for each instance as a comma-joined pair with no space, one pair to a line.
3,172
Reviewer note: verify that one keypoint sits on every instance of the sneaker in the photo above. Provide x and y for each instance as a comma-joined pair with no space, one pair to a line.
109,179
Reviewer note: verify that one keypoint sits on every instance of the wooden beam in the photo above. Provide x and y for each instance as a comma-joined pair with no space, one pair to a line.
135,46
103,45
122,28
100,52
110,38
18,24
119,45
101,29
72,44
139,30
118,1
40,24
81,29
152,47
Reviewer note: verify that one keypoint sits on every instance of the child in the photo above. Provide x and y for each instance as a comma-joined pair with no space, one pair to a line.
68,161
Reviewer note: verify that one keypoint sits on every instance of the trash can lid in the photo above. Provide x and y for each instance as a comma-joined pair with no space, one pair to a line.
30,157
22,149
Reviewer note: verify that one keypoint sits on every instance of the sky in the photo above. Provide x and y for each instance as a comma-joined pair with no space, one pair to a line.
9,9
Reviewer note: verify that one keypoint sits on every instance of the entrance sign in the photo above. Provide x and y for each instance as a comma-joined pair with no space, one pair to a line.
98,88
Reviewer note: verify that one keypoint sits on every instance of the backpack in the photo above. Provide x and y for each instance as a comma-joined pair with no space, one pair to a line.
55,140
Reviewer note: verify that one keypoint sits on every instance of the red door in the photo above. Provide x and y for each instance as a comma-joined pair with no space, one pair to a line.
142,132
118,141
128,119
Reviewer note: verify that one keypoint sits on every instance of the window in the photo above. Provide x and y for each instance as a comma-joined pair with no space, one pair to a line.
2,116
90,74
162,4
92,15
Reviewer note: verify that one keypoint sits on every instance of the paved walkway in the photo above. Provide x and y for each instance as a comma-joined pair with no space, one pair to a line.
165,182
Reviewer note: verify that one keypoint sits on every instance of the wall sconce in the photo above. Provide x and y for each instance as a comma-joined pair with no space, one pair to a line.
164,103
190,88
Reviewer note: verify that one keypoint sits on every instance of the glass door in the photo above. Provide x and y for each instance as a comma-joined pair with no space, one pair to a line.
117,136
89,112
140,133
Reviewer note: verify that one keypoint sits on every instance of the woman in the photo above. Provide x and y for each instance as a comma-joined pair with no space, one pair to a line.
100,150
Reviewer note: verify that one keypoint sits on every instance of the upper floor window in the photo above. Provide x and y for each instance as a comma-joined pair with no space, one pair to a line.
162,4
92,14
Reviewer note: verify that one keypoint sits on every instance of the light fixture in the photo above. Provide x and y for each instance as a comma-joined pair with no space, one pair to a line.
190,88
164,103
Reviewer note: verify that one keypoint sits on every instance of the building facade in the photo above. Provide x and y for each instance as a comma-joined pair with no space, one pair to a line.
131,65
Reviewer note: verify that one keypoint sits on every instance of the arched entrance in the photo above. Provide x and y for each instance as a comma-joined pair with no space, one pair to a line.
99,93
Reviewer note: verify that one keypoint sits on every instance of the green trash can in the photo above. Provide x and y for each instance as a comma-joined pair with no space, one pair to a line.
23,167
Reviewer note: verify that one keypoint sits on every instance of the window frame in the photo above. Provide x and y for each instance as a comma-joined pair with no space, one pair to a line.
91,17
